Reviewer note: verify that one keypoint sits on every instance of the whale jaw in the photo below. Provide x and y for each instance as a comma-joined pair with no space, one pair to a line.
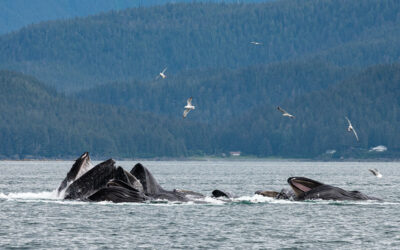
302,185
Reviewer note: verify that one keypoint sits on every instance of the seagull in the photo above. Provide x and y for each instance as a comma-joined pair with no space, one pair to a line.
256,43
375,172
284,113
162,74
350,128
188,107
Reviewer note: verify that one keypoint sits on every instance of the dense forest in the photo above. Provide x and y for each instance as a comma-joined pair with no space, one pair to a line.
370,99
89,84
38,122
220,94
15,14
138,43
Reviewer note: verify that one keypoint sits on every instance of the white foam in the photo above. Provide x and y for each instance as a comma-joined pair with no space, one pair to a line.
211,200
52,197
255,199
31,196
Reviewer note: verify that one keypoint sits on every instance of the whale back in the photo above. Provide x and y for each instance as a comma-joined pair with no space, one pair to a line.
149,183
218,193
91,181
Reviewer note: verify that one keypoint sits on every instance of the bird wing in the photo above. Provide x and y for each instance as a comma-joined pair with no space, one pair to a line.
355,133
282,110
189,101
158,76
185,112
348,120
164,70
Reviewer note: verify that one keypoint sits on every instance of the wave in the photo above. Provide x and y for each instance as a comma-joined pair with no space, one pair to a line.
29,195
52,196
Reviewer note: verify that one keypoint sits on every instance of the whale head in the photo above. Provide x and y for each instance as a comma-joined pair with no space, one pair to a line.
79,168
302,185
149,183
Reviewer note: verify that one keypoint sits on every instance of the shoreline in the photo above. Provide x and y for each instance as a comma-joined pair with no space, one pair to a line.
212,158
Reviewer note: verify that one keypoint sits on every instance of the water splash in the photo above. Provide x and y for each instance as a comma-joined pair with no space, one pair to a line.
31,196
53,196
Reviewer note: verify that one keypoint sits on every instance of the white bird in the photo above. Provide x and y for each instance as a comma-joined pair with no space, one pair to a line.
256,43
284,113
375,172
188,107
162,74
350,128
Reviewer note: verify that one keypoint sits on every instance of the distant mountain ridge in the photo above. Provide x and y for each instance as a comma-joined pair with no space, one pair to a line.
138,43
15,14
319,60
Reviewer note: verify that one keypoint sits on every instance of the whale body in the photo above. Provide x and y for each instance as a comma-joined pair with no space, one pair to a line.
307,189
106,182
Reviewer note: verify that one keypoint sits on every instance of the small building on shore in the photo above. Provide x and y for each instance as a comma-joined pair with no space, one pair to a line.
235,153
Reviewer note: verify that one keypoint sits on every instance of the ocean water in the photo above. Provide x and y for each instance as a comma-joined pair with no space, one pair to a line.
32,216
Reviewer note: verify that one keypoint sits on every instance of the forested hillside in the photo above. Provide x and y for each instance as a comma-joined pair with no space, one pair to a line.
15,14
138,43
38,122
220,94
370,99
97,89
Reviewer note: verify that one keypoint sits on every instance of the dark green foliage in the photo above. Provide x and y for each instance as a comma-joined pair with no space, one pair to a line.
312,63
138,43
15,14
370,99
38,122
220,95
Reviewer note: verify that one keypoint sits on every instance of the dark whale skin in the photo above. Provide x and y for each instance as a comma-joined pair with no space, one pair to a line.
322,191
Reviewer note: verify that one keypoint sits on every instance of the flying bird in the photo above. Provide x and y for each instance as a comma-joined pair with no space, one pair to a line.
256,43
375,172
284,113
162,74
350,128
188,107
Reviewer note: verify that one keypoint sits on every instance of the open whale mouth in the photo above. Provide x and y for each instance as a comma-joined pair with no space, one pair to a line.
301,185
86,165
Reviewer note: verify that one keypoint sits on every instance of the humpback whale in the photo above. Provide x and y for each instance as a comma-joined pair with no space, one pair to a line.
307,189
81,166
218,194
151,187
118,191
106,182
284,194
